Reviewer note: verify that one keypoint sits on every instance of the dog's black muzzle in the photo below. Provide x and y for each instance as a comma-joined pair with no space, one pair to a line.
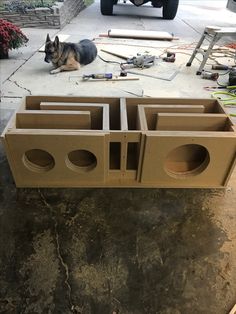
46,59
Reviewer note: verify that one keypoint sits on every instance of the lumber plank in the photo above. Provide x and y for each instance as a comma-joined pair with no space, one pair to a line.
129,33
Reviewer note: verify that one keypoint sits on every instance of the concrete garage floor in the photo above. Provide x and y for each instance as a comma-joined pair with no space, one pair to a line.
110,251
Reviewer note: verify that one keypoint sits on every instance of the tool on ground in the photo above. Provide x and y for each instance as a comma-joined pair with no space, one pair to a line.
141,61
123,73
232,77
212,34
115,78
108,77
98,76
220,67
170,57
231,71
207,75
170,78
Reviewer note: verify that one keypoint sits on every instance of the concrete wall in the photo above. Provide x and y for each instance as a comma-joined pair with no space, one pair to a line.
57,16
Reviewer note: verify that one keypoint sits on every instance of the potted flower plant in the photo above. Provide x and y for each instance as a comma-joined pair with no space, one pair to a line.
11,37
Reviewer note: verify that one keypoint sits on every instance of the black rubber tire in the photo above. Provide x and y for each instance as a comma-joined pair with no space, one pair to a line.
170,8
106,7
157,4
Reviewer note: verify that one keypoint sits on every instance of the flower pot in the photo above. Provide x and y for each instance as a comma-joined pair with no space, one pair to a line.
3,54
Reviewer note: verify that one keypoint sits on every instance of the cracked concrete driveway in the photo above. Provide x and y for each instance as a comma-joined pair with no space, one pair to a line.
116,251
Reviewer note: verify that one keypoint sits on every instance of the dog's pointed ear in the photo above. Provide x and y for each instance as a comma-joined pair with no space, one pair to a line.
56,41
48,38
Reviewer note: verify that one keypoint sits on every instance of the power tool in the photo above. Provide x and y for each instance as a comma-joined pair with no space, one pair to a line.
141,61
170,57
97,76
232,77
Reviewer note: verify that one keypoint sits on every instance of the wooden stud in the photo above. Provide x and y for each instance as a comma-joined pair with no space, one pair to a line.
123,115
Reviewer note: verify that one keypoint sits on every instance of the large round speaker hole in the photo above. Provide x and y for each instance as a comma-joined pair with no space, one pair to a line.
38,160
81,160
187,160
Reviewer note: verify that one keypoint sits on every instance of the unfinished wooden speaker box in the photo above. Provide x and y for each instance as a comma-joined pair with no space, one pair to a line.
54,141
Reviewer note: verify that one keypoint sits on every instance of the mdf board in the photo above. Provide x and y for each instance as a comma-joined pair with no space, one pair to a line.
148,113
124,151
187,160
194,144
99,112
190,122
57,159
40,119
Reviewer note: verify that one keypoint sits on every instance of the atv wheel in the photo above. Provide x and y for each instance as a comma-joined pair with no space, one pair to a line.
106,7
170,8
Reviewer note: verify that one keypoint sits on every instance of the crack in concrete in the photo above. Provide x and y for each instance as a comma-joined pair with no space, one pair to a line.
191,27
25,60
58,249
18,85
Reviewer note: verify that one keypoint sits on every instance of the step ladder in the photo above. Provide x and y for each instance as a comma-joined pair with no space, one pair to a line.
211,34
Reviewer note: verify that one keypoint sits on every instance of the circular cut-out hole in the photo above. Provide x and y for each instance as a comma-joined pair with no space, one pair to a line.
38,160
81,160
187,160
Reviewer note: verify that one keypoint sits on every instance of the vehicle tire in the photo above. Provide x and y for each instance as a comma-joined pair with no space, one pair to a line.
157,3
106,7
170,8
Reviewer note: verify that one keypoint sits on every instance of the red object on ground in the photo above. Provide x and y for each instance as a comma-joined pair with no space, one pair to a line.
231,45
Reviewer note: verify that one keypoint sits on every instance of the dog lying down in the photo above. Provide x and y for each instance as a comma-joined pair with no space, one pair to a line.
69,56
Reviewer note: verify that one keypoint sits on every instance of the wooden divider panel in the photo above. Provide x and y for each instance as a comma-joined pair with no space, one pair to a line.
40,119
191,122
99,112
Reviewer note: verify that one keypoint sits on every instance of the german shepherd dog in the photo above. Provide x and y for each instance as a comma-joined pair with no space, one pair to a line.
69,56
